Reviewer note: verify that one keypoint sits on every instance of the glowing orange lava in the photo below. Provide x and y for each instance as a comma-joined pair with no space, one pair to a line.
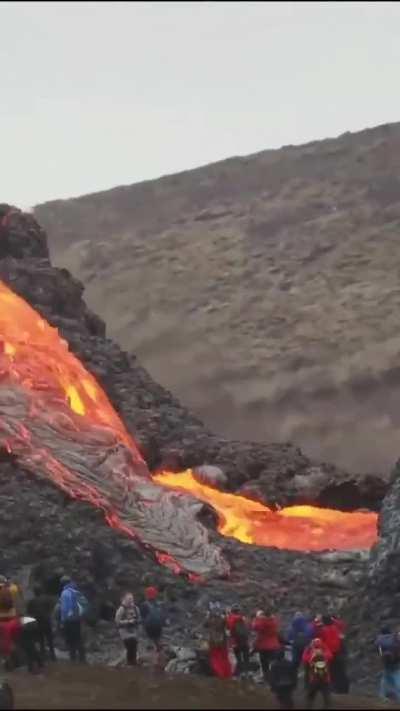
39,359
33,356
293,528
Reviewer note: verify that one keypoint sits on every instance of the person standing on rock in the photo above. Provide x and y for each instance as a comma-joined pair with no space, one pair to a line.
72,609
300,634
153,619
218,642
388,646
29,643
41,608
127,619
10,622
332,634
239,634
267,643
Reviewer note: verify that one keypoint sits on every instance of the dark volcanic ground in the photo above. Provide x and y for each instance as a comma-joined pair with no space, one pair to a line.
43,532
97,688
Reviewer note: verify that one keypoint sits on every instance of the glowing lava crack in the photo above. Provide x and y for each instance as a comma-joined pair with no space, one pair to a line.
58,421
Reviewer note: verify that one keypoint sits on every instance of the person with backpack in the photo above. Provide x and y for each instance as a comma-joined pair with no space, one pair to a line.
218,654
153,620
127,619
316,659
283,680
239,634
388,646
72,610
267,642
300,634
332,634
40,607
10,623
11,599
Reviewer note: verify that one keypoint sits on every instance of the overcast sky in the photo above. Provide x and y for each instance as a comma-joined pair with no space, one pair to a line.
99,94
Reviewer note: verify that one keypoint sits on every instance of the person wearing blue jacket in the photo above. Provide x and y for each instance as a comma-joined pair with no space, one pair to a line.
71,619
388,646
300,634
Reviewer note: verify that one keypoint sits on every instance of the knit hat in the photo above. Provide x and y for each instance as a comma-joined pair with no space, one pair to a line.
151,593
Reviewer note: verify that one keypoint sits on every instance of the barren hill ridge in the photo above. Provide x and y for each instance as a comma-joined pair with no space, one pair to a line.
263,291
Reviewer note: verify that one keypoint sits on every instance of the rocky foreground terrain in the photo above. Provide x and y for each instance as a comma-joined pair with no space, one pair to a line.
263,291
44,532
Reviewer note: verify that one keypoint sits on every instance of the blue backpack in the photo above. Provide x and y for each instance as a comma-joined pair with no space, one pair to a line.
83,605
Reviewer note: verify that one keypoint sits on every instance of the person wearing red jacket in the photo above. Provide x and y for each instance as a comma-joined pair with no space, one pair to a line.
239,633
267,643
316,659
332,634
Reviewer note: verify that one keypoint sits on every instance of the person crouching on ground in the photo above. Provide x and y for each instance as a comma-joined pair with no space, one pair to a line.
127,620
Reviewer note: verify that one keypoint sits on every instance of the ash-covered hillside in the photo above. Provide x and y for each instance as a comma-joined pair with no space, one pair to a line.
263,291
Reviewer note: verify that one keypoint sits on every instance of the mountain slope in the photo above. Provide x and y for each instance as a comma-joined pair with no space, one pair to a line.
263,291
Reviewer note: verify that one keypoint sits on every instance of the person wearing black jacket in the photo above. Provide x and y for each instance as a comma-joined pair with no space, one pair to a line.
283,679
41,608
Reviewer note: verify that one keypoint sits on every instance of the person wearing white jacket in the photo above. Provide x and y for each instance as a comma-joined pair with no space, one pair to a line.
127,619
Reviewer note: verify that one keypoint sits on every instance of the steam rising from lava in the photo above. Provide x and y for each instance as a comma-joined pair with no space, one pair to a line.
58,421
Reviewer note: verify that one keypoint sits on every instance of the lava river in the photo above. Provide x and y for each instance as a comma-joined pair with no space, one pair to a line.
57,420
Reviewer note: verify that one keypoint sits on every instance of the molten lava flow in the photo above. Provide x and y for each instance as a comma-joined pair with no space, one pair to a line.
40,360
301,528
58,421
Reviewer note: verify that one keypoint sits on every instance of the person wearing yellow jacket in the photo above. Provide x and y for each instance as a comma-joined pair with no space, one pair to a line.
11,599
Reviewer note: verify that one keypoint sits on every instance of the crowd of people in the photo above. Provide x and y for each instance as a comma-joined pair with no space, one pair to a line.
27,628
311,648
316,644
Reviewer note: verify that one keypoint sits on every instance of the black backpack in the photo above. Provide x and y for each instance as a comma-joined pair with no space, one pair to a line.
300,640
241,632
